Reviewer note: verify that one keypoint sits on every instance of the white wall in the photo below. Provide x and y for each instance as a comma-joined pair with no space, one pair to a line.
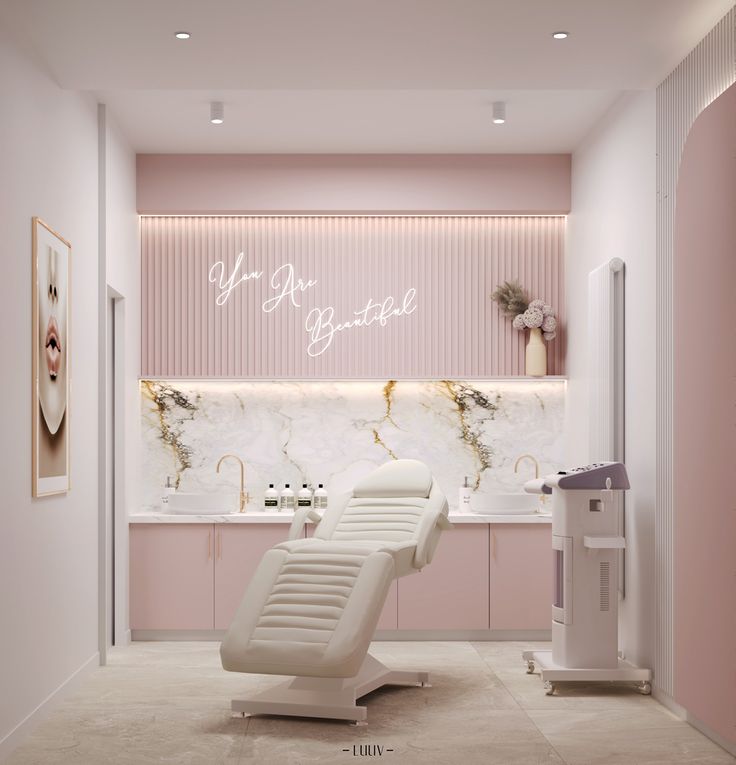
50,167
48,547
122,246
613,215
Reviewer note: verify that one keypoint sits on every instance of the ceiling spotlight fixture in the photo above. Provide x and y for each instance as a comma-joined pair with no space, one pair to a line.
182,35
560,35
499,112
217,112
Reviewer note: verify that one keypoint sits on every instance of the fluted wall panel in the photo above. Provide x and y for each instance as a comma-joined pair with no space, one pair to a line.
693,85
453,263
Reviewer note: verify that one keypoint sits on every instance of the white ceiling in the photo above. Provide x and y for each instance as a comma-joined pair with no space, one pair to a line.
355,121
360,75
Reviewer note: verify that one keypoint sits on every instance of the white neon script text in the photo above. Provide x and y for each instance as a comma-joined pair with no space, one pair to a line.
285,285
229,284
322,329
320,323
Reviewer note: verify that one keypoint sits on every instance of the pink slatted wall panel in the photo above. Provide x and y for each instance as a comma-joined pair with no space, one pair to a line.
453,263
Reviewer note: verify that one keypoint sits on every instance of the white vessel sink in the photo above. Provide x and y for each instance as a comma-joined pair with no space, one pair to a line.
183,503
504,504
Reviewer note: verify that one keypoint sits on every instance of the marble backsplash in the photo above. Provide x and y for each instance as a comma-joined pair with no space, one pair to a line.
336,432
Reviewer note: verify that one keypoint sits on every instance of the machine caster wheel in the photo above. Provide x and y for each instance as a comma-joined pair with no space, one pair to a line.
530,668
550,688
645,688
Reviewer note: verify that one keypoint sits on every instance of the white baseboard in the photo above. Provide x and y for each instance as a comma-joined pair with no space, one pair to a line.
677,709
667,701
479,635
729,746
26,726
174,635
419,635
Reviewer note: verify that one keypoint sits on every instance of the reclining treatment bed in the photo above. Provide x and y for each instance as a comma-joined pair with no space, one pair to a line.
313,604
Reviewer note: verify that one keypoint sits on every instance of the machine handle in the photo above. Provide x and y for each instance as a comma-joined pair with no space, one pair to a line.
604,543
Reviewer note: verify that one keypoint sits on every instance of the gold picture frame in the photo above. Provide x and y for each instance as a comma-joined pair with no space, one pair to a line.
51,354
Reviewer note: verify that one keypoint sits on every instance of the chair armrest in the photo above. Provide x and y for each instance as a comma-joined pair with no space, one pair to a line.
430,528
444,523
301,515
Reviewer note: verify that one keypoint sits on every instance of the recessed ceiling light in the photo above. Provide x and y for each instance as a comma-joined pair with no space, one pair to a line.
560,35
499,112
182,35
217,112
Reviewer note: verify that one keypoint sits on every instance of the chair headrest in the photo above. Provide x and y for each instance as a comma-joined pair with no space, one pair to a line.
399,478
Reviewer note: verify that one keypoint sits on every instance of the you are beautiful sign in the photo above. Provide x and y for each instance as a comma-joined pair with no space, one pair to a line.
321,325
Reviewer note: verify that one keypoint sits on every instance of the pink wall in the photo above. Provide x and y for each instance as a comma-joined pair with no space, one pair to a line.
704,454
453,263
262,183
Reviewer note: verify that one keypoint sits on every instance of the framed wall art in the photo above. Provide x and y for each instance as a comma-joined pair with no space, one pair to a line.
51,360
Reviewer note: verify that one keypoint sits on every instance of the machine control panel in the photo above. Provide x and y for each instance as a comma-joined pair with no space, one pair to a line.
595,477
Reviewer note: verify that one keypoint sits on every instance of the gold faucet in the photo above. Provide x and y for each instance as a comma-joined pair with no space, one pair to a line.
243,494
543,498
527,457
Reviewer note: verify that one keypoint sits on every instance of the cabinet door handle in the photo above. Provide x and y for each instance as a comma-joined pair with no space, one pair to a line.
209,545
493,545
218,545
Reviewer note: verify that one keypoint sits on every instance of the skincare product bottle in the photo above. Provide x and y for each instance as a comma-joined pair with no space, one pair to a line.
320,498
287,499
270,499
168,489
464,499
304,497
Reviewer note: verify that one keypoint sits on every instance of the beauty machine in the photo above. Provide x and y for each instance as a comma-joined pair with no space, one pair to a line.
313,604
585,546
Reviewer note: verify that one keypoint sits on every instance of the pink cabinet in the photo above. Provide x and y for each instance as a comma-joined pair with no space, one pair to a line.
238,551
452,592
171,576
521,576
193,576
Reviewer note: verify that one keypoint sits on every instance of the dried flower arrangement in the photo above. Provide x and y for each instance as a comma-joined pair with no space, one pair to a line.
527,314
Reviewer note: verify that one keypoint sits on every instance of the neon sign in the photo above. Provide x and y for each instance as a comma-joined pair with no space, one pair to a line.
320,324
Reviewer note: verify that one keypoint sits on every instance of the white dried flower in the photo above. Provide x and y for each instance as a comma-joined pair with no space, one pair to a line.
547,310
549,324
518,322
549,335
538,304
533,317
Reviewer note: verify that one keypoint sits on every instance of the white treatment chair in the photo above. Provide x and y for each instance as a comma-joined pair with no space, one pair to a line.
313,604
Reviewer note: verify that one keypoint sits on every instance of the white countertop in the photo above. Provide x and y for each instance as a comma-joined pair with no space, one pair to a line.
261,517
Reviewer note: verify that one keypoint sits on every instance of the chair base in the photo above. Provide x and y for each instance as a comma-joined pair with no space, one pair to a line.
327,697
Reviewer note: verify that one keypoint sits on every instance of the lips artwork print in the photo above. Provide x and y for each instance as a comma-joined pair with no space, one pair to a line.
51,272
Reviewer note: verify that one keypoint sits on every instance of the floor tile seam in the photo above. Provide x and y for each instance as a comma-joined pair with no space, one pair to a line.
506,688
657,726
240,758
546,738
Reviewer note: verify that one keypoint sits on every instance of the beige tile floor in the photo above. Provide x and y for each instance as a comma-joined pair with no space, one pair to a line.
169,703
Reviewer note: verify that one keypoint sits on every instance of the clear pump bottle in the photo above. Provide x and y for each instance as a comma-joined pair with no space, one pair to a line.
168,490
464,497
